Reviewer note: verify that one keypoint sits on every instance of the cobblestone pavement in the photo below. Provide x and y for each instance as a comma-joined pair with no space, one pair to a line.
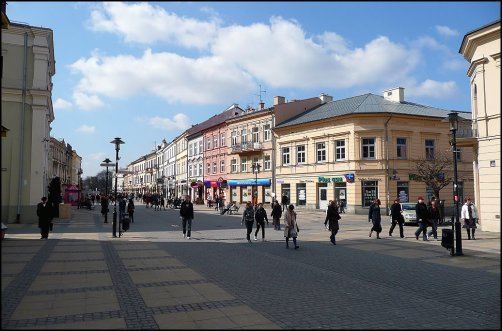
153,278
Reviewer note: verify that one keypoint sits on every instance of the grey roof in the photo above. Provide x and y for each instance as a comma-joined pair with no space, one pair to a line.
366,104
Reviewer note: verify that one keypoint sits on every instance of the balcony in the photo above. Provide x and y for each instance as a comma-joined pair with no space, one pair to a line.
249,147
467,136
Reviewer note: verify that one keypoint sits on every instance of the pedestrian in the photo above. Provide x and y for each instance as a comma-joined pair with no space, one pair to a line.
216,202
93,197
186,213
162,203
44,213
260,217
375,217
434,216
290,226
130,210
469,214
122,207
248,217
284,201
342,206
276,215
104,206
396,214
332,217
422,218
98,199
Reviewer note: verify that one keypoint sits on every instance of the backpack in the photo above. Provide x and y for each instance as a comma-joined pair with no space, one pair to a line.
249,215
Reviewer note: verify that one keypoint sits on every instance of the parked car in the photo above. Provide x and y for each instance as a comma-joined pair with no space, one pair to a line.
409,213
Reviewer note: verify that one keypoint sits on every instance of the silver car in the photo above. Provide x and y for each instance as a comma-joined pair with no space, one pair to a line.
409,212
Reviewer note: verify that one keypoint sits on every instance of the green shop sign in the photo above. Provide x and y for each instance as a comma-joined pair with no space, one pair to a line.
328,180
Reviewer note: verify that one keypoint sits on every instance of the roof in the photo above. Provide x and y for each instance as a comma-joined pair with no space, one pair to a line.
474,31
232,111
366,104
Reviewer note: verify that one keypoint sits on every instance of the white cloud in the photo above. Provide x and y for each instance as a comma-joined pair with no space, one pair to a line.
146,24
86,129
61,104
434,89
178,122
97,156
455,64
446,31
86,101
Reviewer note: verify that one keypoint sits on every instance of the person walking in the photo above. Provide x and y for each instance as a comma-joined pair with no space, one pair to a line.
332,217
276,215
284,201
248,217
186,213
469,214
422,218
375,217
291,226
396,214
44,213
130,210
434,216
260,217
104,207
342,206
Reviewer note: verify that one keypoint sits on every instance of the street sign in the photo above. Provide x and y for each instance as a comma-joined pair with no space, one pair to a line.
107,164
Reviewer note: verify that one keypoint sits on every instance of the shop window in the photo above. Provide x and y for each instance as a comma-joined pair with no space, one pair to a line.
301,194
369,192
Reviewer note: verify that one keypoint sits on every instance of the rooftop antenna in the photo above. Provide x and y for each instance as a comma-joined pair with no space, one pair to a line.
261,100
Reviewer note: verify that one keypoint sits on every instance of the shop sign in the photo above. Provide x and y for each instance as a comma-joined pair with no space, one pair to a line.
328,180
248,182
369,179
349,178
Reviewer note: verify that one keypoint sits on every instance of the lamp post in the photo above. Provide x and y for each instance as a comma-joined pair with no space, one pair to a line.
256,170
117,142
106,163
453,121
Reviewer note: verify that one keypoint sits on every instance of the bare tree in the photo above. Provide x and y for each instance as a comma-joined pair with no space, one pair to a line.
436,173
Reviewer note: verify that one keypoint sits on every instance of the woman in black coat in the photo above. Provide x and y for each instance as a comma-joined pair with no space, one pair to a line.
332,216
375,218
397,217
44,213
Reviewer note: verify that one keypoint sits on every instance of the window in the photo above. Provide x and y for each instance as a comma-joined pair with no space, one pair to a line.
429,149
255,162
190,150
208,168
267,162
222,166
195,149
222,139
208,140
321,152
233,165
369,192
368,148
200,168
285,156
255,134
189,170
200,147
340,149
401,148
234,138
300,154
267,133
244,136
215,141
244,165
215,168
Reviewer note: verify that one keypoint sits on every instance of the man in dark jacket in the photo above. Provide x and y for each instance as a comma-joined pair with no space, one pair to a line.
284,201
260,217
422,218
276,215
44,213
332,216
397,218
186,213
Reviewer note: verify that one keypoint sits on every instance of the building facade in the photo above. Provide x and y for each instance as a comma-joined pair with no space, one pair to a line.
362,148
181,165
481,48
28,67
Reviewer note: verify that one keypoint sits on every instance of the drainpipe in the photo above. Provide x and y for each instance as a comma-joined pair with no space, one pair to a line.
272,157
387,163
21,149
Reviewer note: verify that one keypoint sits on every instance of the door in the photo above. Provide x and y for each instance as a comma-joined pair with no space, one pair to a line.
323,197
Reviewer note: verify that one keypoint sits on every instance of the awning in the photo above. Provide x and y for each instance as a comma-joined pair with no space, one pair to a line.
249,182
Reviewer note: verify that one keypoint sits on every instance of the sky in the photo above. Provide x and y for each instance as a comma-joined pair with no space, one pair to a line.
147,71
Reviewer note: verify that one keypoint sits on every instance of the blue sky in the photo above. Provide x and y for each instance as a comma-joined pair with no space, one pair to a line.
147,71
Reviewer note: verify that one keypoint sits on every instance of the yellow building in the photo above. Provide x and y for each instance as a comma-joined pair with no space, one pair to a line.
481,48
361,148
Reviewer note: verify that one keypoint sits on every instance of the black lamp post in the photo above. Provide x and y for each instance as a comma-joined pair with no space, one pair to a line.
106,163
117,142
453,120
256,170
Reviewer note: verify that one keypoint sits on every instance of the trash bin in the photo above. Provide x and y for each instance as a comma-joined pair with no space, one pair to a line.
447,238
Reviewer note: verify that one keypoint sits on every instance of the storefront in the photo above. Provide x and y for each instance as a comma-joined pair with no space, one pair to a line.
244,190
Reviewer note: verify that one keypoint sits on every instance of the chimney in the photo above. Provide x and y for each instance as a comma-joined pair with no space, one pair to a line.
325,98
279,100
262,105
394,94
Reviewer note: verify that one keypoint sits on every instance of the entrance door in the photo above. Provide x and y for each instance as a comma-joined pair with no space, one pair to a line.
323,197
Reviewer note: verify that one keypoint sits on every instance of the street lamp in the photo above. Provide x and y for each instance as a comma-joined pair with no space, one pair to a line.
256,170
117,142
453,121
106,163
